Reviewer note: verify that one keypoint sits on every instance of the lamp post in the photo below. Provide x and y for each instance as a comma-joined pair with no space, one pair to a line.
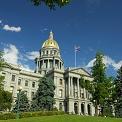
18,104
115,110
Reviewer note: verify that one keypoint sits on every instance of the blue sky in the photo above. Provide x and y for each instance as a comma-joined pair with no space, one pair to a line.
91,24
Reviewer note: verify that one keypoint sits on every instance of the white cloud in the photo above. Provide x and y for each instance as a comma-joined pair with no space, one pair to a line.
13,56
90,64
110,62
0,21
107,61
11,28
32,55
26,67
44,29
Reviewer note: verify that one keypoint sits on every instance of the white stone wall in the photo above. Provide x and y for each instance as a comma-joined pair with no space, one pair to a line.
12,86
58,76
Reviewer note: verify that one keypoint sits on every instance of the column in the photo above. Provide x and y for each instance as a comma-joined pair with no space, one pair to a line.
53,62
48,66
84,91
78,88
42,63
72,86
69,86
85,109
37,66
79,108
58,64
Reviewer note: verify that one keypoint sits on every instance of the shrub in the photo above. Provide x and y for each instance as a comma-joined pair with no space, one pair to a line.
5,116
25,114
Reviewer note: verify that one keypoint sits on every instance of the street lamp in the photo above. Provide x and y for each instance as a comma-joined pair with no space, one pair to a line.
18,97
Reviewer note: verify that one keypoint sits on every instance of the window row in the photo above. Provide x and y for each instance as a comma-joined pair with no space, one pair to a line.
87,95
32,94
47,52
26,92
26,83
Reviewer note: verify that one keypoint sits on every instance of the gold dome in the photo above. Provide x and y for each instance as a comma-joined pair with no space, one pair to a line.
50,43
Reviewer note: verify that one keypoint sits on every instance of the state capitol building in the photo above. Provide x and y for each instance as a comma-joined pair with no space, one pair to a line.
69,96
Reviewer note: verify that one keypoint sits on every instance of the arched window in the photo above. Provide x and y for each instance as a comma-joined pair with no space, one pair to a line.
61,82
76,108
82,109
89,109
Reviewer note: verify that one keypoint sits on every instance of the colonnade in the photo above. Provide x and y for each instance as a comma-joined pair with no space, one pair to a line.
48,64
71,87
77,104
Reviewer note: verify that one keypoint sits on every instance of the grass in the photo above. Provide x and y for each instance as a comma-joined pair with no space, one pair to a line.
65,118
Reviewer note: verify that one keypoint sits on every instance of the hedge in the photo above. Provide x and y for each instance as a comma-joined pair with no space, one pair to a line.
5,116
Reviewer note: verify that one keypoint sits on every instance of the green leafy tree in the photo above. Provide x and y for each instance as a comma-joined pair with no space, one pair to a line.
34,104
6,100
51,3
22,102
5,96
1,66
100,83
118,93
86,84
45,94
108,106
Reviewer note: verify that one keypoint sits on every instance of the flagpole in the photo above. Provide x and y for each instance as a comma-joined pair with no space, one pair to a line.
75,58
76,49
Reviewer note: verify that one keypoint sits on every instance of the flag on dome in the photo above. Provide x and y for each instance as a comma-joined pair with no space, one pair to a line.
77,48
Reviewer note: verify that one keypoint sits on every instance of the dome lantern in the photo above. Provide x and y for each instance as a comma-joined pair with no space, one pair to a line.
51,35
50,43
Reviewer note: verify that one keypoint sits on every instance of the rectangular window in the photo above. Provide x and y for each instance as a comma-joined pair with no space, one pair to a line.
32,94
3,73
13,78
11,89
76,94
60,93
26,83
25,92
19,81
51,52
33,84
82,95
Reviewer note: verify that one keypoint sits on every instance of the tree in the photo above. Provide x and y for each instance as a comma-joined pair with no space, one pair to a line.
6,100
45,94
108,106
5,96
1,66
86,84
118,93
101,86
22,102
51,3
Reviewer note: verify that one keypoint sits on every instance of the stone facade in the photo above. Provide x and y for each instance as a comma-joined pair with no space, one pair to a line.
69,96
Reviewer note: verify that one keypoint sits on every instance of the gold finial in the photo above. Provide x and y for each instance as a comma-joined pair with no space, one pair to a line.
51,35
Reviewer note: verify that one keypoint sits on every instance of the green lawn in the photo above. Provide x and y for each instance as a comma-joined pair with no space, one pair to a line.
65,118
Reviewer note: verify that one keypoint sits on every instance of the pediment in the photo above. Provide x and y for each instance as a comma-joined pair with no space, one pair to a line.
80,71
